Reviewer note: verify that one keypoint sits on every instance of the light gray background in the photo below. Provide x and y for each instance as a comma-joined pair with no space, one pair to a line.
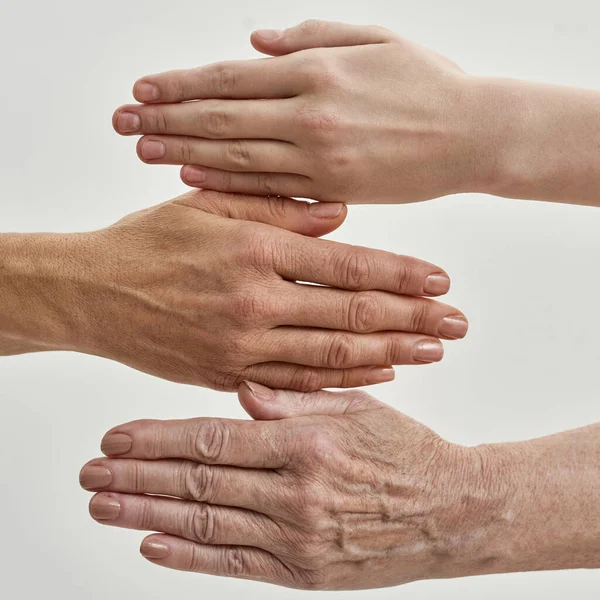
526,274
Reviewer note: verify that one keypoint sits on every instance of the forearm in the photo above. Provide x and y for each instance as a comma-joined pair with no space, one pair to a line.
36,311
550,516
539,142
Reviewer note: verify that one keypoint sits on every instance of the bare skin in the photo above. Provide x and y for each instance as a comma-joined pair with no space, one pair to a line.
337,491
361,115
202,290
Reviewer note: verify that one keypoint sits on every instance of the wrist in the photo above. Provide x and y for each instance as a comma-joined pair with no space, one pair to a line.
37,309
544,504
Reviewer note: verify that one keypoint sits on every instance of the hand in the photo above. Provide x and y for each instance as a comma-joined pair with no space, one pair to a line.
353,114
202,290
326,491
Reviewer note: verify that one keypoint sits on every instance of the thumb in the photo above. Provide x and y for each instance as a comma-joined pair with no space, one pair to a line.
318,34
312,219
265,404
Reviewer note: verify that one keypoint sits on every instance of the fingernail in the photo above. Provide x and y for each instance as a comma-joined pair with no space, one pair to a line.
154,550
437,284
104,508
325,210
260,391
269,34
453,328
194,175
95,478
428,352
380,375
146,92
151,150
114,444
128,122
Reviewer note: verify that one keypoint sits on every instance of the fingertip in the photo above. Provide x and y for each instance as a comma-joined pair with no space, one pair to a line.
266,45
254,398
325,217
192,176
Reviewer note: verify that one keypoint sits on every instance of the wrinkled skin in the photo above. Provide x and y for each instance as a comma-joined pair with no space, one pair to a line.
325,491
341,113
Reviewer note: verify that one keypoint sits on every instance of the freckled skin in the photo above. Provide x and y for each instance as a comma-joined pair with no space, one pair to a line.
336,491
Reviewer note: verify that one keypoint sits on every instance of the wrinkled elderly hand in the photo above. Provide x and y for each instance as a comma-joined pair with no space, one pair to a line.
326,491
344,113
338,491
202,290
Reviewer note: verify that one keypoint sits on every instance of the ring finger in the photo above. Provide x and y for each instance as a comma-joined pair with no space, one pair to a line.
198,522
344,350
230,155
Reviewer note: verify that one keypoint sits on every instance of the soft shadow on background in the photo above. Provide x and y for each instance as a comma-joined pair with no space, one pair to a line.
526,274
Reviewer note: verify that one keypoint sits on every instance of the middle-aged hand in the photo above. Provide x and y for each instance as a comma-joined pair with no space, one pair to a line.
206,290
370,118
338,491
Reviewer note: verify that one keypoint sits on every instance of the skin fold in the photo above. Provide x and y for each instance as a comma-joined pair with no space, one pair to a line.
203,290
361,115
337,491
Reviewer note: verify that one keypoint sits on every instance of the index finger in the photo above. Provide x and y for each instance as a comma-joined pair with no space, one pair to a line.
247,444
259,78
357,268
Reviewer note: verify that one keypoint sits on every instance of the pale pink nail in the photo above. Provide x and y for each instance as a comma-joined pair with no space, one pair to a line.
128,122
437,284
154,550
146,92
380,375
260,391
453,328
428,352
153,150
104,508
269,34
325,210
194,175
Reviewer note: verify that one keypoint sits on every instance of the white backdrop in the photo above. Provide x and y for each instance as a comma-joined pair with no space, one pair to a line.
526,274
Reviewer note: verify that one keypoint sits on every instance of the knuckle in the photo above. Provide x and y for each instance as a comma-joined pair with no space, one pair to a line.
405,277
341,352
185,153
202,524
233,562
355,267
209,440
215,122
251,305
145,518
311,27
223,80
418,317
158,121
364,312
265,183
318,120
199,483
237,154
306,380
277,207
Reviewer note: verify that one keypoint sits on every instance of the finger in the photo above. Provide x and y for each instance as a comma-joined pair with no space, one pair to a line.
315,219
224,561
343,350
261,184
198,522
308,379
231,155
213,119
226,486
263,78
367,312
318,34
355,268
266,404
206,441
